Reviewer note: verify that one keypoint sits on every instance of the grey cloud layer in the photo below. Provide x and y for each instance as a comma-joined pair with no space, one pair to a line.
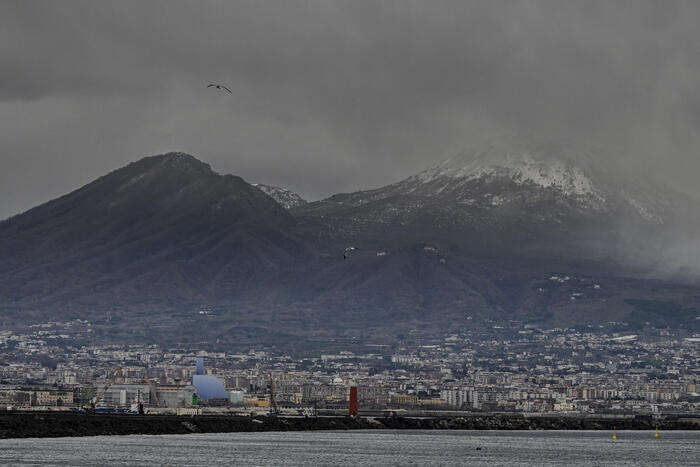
331,96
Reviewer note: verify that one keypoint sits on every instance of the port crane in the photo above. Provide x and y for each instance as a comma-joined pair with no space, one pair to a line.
91,407
274,408
154,388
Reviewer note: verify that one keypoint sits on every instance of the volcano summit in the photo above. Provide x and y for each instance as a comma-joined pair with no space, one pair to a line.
515,230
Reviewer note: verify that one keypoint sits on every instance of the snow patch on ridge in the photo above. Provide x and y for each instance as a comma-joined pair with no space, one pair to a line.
288,199
643,211
522,169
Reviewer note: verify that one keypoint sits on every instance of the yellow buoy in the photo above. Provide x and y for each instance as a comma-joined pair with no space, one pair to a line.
614,436
656,434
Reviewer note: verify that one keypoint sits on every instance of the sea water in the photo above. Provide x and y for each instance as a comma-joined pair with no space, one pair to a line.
357,448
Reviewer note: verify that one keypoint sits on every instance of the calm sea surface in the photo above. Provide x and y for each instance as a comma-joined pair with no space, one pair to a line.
363,448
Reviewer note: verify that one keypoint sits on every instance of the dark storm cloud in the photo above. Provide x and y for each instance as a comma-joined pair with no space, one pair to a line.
330,96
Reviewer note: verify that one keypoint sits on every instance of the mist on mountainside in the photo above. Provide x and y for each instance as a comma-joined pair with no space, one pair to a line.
514,230
539,186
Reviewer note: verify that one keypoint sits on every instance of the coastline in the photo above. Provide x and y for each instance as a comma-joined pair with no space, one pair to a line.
52,424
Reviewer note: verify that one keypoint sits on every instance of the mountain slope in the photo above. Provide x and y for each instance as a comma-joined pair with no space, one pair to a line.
288,199
167,250
484,234
549,199
165,229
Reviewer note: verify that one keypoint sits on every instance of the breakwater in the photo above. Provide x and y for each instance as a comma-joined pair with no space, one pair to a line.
42,425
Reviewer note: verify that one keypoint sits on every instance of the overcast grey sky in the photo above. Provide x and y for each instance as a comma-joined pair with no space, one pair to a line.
336,96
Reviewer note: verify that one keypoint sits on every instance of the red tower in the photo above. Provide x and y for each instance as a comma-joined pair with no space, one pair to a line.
353,409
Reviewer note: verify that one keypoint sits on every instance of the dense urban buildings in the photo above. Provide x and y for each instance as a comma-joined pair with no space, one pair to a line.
509,367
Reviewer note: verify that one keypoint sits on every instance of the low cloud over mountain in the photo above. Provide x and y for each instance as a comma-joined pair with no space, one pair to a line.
514,229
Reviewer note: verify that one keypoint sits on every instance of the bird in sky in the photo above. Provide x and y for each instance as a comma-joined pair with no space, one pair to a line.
350,248
220,87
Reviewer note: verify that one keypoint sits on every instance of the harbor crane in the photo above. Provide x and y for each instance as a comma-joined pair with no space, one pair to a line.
274,408
90,408
154,389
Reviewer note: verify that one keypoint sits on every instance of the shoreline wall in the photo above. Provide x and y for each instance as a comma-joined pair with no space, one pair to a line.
42,425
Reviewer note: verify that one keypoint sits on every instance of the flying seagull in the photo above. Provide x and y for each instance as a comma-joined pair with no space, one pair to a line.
350,248
220,86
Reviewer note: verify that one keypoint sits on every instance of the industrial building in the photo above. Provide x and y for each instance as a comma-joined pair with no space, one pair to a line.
208,387
123,395
173,396
205,389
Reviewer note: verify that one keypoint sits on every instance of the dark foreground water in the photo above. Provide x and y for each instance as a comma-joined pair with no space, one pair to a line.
355,448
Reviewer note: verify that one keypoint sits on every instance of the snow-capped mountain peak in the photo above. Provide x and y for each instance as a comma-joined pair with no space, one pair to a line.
515,175
524,161
521,168
590,179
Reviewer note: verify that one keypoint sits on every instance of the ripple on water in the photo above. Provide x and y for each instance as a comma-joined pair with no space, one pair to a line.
357,448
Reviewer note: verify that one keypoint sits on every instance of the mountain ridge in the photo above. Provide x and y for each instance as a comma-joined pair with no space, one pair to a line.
287,198
169,208
533,192
149,245
525,163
